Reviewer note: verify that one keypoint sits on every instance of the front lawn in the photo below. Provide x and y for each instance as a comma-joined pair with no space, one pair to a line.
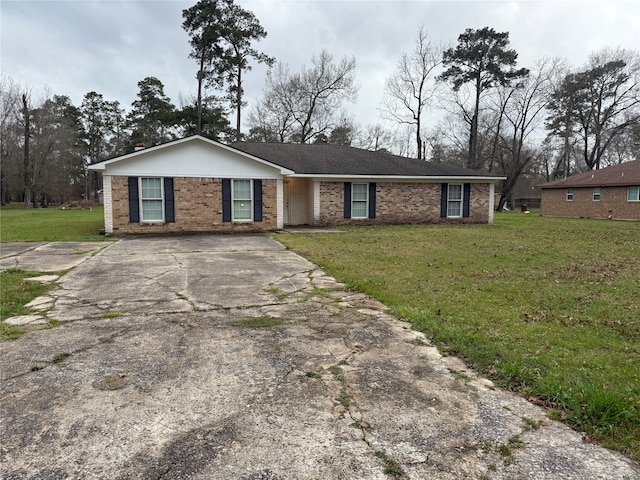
19,224
547,307
15,293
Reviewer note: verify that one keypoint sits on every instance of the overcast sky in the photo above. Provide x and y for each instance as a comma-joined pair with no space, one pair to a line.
76,46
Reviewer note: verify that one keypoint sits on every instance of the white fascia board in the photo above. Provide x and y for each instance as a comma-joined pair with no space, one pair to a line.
399,178
103,165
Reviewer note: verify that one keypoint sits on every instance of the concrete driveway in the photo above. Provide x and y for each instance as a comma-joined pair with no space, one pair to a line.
229,357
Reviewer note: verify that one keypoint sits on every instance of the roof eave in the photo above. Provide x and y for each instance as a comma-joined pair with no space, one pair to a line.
590,185
102,165
431,178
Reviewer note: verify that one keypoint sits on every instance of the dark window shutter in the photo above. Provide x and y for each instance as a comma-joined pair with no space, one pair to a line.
372,200
134,200
443,200
465,199
347,199
226,200
257,200
169,203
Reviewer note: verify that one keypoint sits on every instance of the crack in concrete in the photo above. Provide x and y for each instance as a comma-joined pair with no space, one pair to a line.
48,363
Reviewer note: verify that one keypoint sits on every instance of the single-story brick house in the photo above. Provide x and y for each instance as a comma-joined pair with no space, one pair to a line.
198,185
612,192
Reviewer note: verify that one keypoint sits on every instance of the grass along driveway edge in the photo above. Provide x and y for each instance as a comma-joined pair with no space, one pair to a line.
546,307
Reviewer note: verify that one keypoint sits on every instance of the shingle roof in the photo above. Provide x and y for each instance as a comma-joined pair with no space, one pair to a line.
622,175
323,159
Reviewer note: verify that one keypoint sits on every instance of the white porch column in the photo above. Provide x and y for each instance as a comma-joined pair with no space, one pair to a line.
279,204
107,199
492,200
316,201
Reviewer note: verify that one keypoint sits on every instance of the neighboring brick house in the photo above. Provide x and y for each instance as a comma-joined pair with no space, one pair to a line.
612,192
198,185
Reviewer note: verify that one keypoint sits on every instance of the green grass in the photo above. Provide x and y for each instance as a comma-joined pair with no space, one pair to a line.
391,467
15,293
60,357
18,224
546,307
264,321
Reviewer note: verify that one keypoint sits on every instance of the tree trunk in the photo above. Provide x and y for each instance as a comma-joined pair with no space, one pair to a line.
239,102
418,139
473,136
566,145
199,101
27,177
502,202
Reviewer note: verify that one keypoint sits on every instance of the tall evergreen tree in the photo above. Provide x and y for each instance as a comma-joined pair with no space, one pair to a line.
152,115
484,59
601,103
221,37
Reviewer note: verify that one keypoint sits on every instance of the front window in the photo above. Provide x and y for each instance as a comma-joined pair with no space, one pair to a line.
242,201
359,200
151,201
569,194
454,200
596,194
633,194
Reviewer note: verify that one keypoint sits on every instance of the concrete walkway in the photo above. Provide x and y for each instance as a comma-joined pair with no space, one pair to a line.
229,357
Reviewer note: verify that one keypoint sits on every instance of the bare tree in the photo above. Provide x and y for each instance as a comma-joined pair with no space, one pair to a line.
28,170
375,138
272,118
410,89
297,107
9,114
520,114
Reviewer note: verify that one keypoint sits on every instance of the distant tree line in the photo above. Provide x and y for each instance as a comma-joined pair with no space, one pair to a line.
46,144
468,105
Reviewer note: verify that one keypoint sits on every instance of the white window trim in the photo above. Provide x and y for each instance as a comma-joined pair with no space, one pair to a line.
366,208
629,199
569,194
597,193
456,200
233,201
140,200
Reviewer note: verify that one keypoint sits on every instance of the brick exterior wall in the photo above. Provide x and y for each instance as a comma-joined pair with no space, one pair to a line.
402,203
198,208
613,200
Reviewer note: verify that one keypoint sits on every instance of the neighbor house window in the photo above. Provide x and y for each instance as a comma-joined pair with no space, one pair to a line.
151,200
359,200
633,194
596,194
454,200
569,194
242,200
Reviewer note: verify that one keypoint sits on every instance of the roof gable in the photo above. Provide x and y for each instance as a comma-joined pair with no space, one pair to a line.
339,160
194,156
621,175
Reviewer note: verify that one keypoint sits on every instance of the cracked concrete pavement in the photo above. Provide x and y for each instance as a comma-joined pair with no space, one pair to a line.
229,357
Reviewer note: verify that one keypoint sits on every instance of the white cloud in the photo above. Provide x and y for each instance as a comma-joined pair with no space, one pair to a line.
109,46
